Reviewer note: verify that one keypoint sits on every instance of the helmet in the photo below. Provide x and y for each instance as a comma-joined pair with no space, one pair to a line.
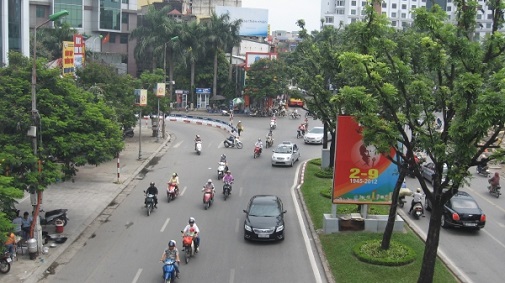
191,220
174,175
197,136
240,121
223,155
259,139
418,190
209,181
152,183
171,243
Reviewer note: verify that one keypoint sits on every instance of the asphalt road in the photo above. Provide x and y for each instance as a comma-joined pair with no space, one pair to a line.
128,246
477,254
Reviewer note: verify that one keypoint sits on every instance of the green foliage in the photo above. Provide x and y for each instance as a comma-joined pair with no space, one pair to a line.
371,252
316,161
266,78
325,173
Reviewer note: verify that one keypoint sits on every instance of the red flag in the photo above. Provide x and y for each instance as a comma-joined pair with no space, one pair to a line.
106,38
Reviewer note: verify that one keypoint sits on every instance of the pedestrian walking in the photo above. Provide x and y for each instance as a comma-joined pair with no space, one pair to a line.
240,128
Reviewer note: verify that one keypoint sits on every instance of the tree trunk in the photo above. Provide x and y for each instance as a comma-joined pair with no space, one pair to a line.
230,68
332,148
193,65
388,232
432,240
214,82
171,73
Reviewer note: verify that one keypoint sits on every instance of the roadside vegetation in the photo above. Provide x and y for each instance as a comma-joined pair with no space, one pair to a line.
400,263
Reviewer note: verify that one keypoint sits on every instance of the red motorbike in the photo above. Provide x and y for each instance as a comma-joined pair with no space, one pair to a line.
208,197
188,247
257,152
172,191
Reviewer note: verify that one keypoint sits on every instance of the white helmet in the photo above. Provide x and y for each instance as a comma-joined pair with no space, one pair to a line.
209,181
418,190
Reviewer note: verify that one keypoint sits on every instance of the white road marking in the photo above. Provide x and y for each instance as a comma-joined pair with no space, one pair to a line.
137,275
183,190
312,260
240,192
501,225
232,275
165,225
237,225
492,237
177,144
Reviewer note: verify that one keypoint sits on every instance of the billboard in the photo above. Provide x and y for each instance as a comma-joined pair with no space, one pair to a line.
251,57
68,58
254,21
361,174
79,50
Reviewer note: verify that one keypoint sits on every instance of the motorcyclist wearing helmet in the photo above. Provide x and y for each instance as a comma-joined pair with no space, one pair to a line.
259,144
197,139
228,178
417,198
223,159
175,180
153,191
173,253
209,186
192,230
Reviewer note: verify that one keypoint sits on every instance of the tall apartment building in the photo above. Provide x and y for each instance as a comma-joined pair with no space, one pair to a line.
111,19
343,12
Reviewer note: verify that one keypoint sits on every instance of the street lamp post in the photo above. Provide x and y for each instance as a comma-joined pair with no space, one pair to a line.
35,117
93,45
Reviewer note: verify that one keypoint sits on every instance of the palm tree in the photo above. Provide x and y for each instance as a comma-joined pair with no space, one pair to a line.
191,38
219,30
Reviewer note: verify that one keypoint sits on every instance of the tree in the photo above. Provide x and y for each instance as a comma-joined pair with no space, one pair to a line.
404,79
191,38
267,79
50,40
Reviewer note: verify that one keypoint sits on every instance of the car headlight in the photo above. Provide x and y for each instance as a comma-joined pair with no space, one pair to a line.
279,228
288,158
247,227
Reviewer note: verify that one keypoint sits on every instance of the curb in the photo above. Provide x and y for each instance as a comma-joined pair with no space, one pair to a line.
40,272
313,233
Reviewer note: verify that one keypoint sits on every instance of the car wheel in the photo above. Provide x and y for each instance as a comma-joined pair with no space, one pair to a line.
444,223
292,161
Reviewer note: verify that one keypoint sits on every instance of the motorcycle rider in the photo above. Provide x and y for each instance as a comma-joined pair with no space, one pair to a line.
209,186
482,162
301,129
259,144
231,140
173,253
223,159
494,181
197,139
418,197
153,191
269,137
175,180
228,178
192,230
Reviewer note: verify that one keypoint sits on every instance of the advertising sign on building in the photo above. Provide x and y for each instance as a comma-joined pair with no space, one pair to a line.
140,97
252,57
361,174
254,21
68,58
160,89
79,51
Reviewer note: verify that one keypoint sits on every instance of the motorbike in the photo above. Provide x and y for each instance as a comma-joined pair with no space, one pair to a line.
494,191
226,189
188,247
128,133
233,142
257,152
172,191
417,210
52,216
483,171
269,141
220,170
300,133
199,147
294,115
273,124
149,201
403,193
208,198
169,270
5,263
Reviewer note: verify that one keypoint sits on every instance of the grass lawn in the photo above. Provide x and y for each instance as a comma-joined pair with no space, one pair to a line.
338,247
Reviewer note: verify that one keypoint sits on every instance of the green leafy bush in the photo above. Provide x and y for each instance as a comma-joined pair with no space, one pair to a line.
325,173
370,251
316,161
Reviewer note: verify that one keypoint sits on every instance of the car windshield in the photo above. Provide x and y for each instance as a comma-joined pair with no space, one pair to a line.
264,210
463,203
316,131
283,149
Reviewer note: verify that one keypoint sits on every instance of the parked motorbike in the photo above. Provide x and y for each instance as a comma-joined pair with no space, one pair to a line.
208,198
233,142
149,201
273,124
172,191
169,270
483,171
257,152
199,147
5,263
494,191
269,141
188,247
52,216
226,190
417,210
128,133
220,170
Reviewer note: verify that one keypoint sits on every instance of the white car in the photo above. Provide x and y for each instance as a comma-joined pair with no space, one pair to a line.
315,135
286,153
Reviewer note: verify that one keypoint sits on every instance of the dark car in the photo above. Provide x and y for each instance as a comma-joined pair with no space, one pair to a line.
428,171
461,211
264,219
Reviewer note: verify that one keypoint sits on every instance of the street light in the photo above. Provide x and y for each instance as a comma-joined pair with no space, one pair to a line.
33,129
93,45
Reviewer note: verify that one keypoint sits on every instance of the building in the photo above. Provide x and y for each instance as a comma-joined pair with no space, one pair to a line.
106,24
343,12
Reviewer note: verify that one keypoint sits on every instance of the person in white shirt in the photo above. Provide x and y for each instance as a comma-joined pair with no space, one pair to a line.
418,198
192,230
259,144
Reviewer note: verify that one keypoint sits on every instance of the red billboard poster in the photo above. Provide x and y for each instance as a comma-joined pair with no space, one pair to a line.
78,51
361,174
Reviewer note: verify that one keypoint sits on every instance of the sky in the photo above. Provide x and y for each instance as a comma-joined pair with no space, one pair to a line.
283,14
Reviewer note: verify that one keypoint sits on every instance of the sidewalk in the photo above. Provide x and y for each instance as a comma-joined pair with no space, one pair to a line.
94,189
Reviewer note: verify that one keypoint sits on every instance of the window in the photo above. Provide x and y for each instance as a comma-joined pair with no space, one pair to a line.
384,5
340,3
393,23
363,12
329,20
353,12
490,16
488,25
393,15
405,24
110,15
41,11
384,13
479,16
112,37
353,20
404,6
75,11
404,15
124,1
449,8
339,11
363,3
393,5
123,38
124,18
353,3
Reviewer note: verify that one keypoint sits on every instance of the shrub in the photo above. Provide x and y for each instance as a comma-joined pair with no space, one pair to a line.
326,173
316,161
370,251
